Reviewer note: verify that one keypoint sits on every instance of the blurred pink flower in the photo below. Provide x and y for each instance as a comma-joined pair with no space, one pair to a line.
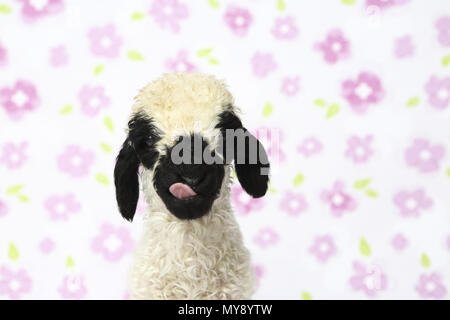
365,90
335,47
33,10
384,4
180,63
370,280
403,47
399,242
424,156
92,100
293,203
411,203
266,237
14,284
272,140
338,200
309,146
323,248
259,272
104,41
46,245
431,286
443,27
58,56
72,287
168,13
290,85
238,20
448,242
358,149
285,28
244,203
60,207
13,155
438,91
263,64
75,161
113,243
3,208
22,98
3,56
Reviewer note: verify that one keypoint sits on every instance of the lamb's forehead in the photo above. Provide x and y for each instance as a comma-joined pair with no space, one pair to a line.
188,102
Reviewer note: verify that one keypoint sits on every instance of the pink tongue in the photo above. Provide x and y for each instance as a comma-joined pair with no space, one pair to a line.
181,191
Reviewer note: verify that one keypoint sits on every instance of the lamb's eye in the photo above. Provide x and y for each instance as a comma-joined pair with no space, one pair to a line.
149,141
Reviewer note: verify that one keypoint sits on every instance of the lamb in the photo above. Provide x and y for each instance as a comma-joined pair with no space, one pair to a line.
191,247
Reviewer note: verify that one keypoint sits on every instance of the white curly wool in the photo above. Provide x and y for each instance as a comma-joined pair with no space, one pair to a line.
203,258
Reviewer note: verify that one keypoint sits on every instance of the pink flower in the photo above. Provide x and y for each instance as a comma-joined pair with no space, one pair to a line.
335,47
293,204
285,28
46,245
168,13
272,140
75,161
290,86
13,155
180,63
72,287
448,242
238,20
338,200
243,202
3,56
443,27
403,47
384,4
424,156
22,98
266,237
431,286
3,209
92,100
411,203
104,41
33,10
358,149
263,64
399,242
309,146
323,248
58,56
113,243
438,91
362,92
259,272
14,284
369,280
60,207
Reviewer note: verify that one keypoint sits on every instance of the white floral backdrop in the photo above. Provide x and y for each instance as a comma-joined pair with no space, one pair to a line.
359,203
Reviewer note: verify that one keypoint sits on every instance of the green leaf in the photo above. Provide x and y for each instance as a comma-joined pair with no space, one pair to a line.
267,110
298,180
446,60
23,198
364,247
98,69
320,103
448,172
214,4
66,109
213,61
13,253
371,193
306,296
134,55
425,261
348,2
137,16
281,6
5,9
108,122
204,52
102,178
272,190
15,189
361,184
106,147
332,110
413,102
70,263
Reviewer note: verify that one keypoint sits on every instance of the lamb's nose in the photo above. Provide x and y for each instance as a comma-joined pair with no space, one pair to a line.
192,181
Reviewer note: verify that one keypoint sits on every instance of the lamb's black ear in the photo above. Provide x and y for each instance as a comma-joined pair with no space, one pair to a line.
126,179
250,158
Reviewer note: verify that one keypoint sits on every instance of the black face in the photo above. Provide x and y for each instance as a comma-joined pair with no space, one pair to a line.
188,189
